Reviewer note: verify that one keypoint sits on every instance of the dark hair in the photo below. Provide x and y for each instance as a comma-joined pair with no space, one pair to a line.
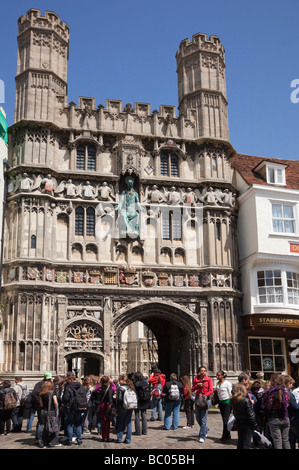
173,376
222,373
201,367
105,381
19,379
138,376
156,371
70,375
6,384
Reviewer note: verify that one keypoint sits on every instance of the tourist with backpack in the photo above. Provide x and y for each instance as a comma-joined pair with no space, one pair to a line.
174,392
18,412
275,404
102,397
157,381
126,402
8,401
143,391
75,404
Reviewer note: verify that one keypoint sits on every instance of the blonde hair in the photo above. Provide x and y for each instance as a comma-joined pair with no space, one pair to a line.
239,391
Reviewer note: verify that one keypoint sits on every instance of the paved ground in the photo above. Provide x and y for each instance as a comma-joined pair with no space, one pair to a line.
157,438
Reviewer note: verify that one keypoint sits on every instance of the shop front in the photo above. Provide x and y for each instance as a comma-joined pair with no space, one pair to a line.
271,342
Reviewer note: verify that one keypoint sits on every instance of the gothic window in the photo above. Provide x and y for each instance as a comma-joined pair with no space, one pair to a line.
85,222
169,164
90,222
33,242
79,221
86,158
172,225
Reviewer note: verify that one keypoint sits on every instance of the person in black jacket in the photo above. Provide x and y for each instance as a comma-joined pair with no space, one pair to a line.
143,390
35,404
244,414
6,414
174,392
73,416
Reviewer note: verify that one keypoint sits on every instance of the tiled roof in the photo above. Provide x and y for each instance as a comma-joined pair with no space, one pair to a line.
246,164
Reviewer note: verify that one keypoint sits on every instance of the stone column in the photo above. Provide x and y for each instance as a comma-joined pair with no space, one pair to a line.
61,319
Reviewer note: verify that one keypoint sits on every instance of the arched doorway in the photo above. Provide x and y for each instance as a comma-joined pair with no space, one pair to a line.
84,363
176,329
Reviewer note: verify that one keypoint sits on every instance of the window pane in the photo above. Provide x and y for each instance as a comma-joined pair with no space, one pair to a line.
166,226
288,212
279,363
91,161
90,222
174,165
266,346
255,363
277,210
271,175
164,165
80,165
176,225
79,222
277,345
254,346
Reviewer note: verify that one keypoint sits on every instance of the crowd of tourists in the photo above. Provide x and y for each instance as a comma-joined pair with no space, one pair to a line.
263,413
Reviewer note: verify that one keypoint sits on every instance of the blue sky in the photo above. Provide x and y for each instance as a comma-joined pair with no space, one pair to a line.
126,50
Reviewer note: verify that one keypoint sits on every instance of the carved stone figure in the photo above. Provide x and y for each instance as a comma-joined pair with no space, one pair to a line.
129,208
106,192
154,195
25,183
88,190
50,184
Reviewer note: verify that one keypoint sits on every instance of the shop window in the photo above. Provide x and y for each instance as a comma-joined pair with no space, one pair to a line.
267,355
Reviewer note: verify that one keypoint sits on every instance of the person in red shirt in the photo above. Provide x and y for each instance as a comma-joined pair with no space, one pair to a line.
202,384
156,404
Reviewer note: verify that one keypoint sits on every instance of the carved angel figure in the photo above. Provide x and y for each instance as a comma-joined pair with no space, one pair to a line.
67,186
50,184
106,192
88,191
211,196
25,183
191,197
153,195
174,197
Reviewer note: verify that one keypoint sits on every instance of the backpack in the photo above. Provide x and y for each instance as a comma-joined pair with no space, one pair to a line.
130,401
79,402
157,390
10,401
24,394
174,392
144,393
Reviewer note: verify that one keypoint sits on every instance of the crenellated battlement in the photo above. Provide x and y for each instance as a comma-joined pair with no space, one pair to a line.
200,42
50,21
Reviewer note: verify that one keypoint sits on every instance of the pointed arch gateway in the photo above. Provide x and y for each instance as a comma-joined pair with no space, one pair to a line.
176,328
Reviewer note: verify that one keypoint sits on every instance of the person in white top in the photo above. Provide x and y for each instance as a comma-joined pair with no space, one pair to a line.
224,389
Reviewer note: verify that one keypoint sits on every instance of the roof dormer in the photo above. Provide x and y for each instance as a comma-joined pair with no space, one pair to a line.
272,173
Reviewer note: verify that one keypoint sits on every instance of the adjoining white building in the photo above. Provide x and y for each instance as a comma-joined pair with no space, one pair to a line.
268,228
3,160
